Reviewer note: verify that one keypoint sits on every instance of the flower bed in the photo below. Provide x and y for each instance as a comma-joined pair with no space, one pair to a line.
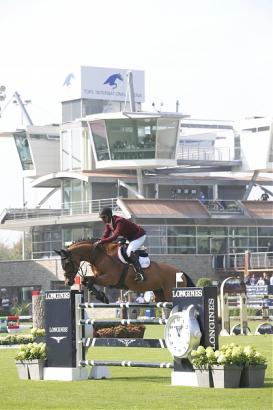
129,331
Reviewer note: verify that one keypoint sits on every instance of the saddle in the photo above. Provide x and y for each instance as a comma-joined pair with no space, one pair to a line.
142,255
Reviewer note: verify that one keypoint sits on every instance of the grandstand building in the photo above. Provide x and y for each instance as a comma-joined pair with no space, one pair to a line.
186,181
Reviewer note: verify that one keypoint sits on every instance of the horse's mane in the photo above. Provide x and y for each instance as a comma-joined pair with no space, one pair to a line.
109,248
92,241
89,240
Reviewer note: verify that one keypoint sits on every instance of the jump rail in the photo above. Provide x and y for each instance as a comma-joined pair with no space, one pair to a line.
124,342
155,321
124,363
168,305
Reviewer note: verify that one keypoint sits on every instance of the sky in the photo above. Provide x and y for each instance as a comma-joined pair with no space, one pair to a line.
213,56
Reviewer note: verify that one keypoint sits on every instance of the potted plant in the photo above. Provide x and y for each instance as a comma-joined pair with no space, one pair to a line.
226,372
202,359
253,372
30,361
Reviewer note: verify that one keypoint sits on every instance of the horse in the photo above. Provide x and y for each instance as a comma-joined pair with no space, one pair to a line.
110,272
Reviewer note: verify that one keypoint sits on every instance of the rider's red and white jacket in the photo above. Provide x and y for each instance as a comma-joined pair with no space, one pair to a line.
121,227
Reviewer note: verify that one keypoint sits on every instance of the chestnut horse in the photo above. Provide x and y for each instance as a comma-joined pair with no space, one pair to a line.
110,272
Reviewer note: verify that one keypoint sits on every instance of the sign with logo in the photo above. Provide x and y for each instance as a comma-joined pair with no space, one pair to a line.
257,290
205,302
60,328
101,83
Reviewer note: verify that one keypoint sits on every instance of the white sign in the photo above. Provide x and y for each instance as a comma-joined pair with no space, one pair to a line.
100,83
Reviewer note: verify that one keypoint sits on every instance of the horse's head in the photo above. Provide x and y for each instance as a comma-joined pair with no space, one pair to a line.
70,265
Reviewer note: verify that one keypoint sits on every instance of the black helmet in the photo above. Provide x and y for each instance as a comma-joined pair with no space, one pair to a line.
106,211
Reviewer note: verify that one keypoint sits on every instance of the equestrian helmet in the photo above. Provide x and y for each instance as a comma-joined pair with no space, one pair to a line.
106,211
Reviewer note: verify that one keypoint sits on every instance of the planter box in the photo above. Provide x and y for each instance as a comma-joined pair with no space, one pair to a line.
204,377
36,369
30,369
227,376
253,376
22,370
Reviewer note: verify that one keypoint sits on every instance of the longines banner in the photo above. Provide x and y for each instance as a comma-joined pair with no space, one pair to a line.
205,302
60,328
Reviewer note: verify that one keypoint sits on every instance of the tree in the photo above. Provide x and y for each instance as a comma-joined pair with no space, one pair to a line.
13,252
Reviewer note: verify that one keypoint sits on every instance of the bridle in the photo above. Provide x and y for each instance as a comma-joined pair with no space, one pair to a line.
71,268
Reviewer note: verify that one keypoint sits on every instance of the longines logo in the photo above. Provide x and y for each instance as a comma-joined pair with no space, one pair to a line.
59,295
126,342
58,338
212,324
56,329
187,293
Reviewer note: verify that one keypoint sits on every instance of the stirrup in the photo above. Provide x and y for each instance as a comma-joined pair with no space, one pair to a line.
139,277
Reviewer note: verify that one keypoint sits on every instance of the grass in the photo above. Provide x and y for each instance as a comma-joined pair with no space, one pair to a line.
131,388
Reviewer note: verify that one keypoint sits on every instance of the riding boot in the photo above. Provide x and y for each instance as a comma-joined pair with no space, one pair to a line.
137,267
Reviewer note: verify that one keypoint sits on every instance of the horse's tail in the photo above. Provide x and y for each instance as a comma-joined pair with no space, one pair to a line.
190,283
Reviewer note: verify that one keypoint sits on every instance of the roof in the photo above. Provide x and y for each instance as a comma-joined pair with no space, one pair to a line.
170,208
132,115
259,209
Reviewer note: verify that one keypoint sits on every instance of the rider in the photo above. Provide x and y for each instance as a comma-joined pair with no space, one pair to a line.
119,226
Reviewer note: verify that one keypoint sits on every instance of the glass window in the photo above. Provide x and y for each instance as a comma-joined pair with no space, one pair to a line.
212,230
167,130
86,149
203,230
67,193
132,139
99,136
265,231
71,110
65,144
203,245
181,230
238,230
181,245
76,234
76,196
76,148
22,146
253,231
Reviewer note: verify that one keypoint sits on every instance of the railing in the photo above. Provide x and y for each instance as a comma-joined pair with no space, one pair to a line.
237,261
222,206
201,153
71,208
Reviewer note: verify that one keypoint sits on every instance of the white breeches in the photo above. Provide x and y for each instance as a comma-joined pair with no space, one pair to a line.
136,244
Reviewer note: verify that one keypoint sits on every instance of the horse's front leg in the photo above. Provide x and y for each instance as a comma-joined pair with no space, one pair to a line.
88,282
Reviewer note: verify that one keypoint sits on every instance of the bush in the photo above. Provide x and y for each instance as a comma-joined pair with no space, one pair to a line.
203,282
31,351
37,332
229,354
16,339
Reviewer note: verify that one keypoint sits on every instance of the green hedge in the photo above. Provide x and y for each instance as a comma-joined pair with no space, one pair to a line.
16,339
